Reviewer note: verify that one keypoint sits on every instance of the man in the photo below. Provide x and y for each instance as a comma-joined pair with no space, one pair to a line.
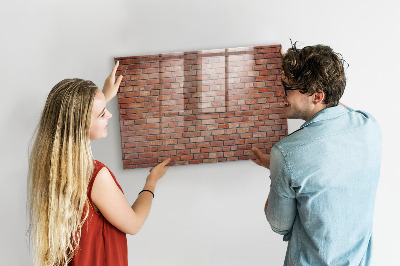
323,176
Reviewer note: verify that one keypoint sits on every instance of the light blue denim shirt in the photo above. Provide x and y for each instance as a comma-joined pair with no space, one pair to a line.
323,183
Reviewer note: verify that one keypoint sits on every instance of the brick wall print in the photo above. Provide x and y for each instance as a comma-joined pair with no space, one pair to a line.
200,107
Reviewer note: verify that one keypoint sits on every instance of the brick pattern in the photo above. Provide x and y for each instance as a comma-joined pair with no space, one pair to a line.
199,107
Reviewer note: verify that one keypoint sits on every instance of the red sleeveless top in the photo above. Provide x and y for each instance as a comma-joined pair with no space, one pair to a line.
101,243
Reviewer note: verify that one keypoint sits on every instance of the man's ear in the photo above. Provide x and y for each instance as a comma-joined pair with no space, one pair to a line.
318,97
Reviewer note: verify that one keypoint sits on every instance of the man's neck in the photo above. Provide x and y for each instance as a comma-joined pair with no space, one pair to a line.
318,108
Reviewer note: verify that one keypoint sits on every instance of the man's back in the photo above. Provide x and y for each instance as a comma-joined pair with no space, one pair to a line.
328,170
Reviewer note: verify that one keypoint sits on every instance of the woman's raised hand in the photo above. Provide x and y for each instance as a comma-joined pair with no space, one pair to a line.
111,85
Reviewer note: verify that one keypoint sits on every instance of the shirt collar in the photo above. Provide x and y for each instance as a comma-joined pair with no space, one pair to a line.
326,114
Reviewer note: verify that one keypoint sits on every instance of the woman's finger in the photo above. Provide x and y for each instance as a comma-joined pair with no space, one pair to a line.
165,162
114,70
118,82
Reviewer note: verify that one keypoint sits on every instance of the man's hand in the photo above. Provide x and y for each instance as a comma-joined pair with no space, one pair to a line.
111,86
262,159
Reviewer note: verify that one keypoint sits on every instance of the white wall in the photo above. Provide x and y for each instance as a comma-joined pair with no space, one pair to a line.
208,214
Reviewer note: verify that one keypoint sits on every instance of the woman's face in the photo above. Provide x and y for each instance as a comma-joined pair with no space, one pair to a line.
100,116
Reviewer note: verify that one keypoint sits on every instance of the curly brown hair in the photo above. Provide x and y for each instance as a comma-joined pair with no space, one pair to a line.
316,69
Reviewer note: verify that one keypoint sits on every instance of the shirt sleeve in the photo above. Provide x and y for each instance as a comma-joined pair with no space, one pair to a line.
281,210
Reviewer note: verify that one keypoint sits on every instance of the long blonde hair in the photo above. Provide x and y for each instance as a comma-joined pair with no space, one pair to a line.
60,167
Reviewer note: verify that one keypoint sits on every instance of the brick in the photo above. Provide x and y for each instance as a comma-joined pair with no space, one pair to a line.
259,135
230,131
165,148
145,155
208,138
148,126
180,146
206,133
218,132
229,154
183,141
168,130
198,139
242,130
202,144
270,134
177,135
130,145
194,151
191,134
163,136
200,156
143,144
195,162
217,149
183,152
280,121
281,133
126,100
151,160
216,143
154,131
221,137
131,156
170,142
234,136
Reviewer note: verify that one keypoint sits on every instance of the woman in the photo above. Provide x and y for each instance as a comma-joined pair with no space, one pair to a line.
78,212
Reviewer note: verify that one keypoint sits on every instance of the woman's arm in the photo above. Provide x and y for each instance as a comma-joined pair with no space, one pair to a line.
114,206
